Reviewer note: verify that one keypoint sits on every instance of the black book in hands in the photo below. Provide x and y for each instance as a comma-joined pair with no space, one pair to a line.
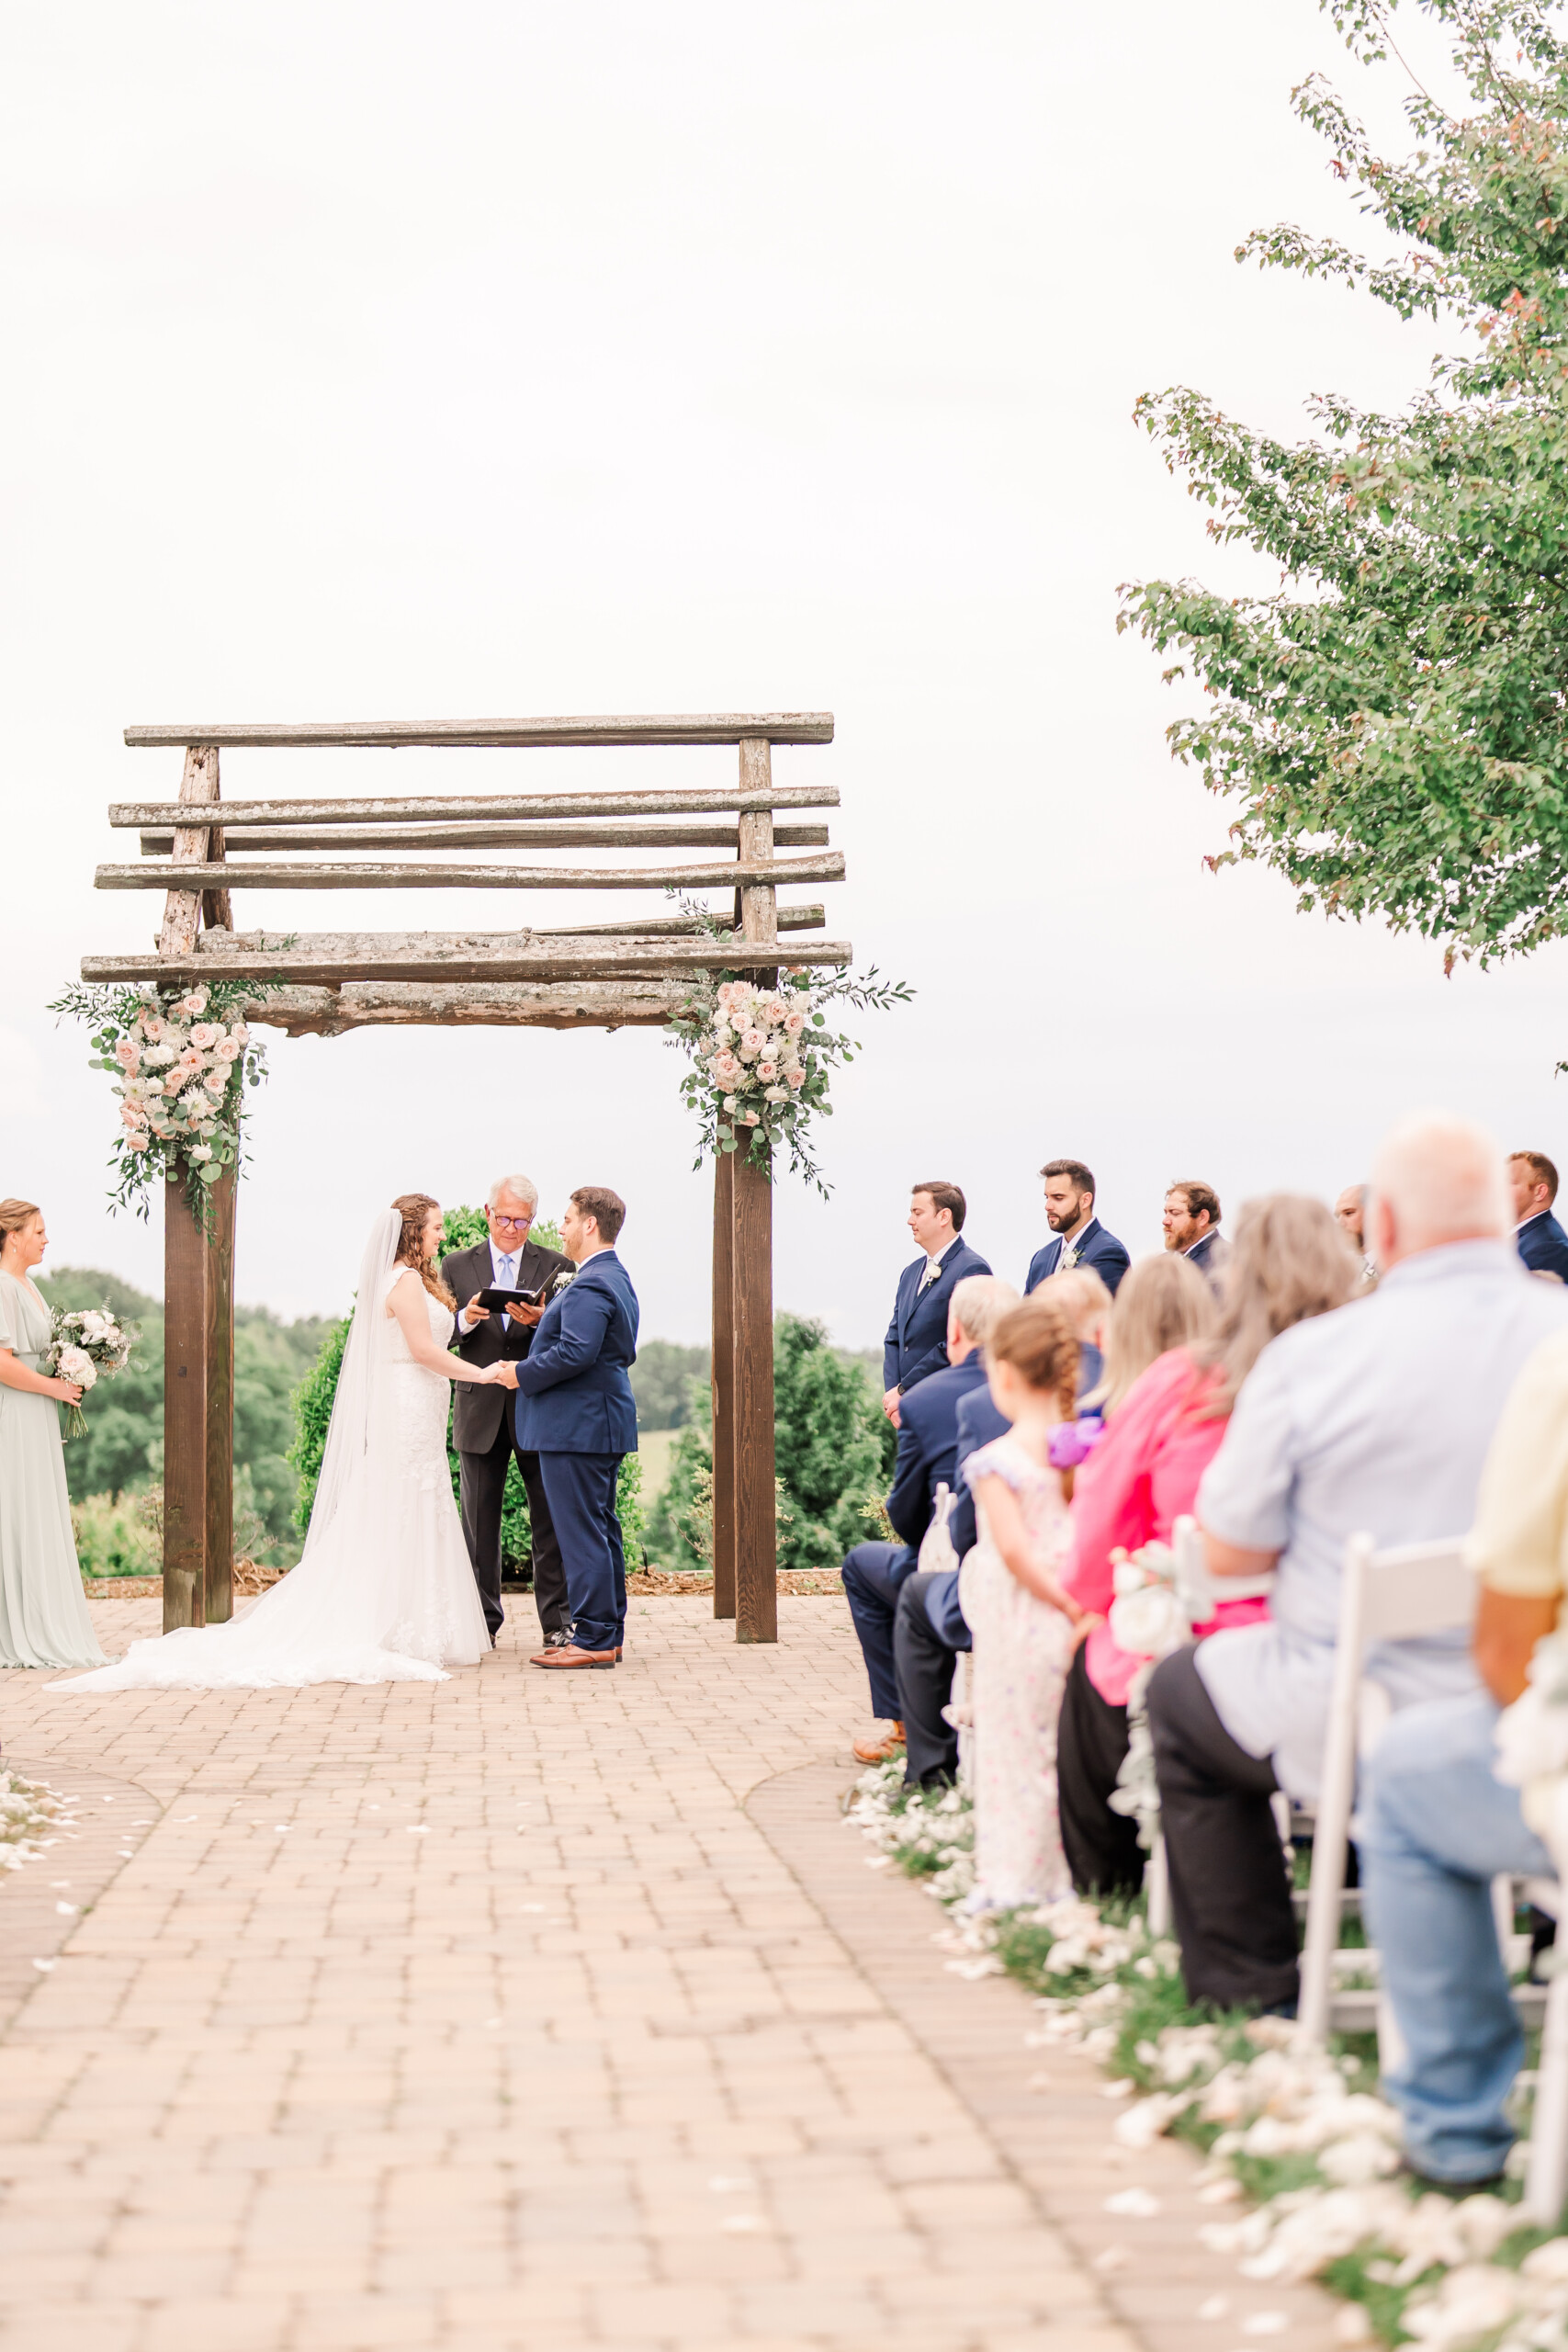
496,1300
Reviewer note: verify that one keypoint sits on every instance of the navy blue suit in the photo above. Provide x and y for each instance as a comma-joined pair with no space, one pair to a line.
575,1411
1099,1250
1544,1245
915,1345
928,1626
928,1440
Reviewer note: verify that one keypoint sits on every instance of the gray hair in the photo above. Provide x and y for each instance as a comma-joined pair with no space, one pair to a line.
522,1188
977,1305
1444,1178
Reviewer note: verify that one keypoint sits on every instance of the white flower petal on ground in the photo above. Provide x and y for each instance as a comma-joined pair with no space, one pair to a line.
1135,2204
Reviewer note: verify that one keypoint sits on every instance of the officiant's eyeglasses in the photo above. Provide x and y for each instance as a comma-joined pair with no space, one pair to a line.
513,1220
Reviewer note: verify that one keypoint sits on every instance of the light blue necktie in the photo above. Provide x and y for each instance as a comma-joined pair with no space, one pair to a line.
505,1282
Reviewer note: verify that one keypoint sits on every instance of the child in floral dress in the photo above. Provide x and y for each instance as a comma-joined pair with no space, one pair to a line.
1019,1614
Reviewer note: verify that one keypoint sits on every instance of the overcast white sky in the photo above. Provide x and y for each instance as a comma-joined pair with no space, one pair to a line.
371,361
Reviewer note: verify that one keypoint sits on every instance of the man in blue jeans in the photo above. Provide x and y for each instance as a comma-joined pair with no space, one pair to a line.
1436,1825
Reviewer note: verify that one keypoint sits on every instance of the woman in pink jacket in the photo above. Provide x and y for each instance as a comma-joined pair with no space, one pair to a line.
1163,1429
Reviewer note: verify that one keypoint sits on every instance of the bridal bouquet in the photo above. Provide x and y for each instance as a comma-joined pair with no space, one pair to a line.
85,1344
180,1057
763,1058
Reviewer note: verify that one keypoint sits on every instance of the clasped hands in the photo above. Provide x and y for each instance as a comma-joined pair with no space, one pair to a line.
500,1375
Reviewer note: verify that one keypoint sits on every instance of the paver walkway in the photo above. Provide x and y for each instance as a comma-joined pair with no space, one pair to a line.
485,2015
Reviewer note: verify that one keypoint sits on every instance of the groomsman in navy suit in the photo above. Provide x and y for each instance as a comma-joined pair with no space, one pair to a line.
1541,1240
916,1344
1077,1236
575,1411
1192,1222
927,1438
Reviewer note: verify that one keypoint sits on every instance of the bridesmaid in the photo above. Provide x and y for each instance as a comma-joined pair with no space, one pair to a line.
44,1617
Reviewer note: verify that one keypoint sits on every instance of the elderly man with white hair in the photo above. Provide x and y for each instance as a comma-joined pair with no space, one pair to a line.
482,1417
1372,1419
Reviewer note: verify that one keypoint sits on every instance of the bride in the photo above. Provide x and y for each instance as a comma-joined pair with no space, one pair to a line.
384,1591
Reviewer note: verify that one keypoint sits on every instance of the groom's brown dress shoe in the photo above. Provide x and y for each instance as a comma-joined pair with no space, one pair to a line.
570,1657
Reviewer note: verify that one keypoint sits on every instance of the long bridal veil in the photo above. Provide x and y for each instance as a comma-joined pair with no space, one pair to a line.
361,1421
384,1590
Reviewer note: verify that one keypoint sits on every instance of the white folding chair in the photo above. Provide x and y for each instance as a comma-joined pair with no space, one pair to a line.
1397,1595
1384,1596
1195,1590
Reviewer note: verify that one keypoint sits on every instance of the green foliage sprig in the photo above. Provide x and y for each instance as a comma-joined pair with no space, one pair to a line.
181,1058
1394,719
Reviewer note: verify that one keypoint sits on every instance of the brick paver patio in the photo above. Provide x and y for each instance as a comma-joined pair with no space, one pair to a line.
536,2012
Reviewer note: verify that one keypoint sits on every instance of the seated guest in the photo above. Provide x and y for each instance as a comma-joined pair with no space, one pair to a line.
1077,1236
1020,1613
928,1439
1165,1414
1087,1303
916,1344
1537,1236
1435,1824
1350,1214
929,1628
1191,1223
1374,1419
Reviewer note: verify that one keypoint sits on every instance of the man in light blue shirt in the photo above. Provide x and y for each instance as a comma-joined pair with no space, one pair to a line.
1373,1420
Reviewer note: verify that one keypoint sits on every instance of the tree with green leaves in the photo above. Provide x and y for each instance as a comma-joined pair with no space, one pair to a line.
1392,721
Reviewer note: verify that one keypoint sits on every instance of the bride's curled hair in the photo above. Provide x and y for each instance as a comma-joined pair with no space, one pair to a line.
415,1209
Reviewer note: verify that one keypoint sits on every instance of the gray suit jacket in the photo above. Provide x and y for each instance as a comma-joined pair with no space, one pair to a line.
477,1413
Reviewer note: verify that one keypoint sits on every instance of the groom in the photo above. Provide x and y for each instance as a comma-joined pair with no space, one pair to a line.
575,1412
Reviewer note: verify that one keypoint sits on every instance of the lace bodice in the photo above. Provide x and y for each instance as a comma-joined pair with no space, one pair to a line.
396,1342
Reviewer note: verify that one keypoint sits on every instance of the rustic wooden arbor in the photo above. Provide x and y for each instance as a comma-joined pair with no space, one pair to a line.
595,976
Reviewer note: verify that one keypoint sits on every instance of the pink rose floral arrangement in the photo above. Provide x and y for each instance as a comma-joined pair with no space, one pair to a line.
762,1057
181,1059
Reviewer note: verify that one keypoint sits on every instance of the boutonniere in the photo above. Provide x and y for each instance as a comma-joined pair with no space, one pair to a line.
563,1281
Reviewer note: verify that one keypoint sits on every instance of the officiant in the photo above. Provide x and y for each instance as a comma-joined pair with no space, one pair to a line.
482,1418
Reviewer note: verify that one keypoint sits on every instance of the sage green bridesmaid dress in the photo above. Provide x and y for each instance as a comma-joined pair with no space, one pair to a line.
44,1617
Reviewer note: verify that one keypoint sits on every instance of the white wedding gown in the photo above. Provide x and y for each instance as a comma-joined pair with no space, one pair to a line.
385,1592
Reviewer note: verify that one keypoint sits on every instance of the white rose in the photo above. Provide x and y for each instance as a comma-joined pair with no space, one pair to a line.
76,1365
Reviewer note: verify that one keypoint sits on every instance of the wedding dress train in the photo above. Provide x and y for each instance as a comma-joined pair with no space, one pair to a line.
385,1592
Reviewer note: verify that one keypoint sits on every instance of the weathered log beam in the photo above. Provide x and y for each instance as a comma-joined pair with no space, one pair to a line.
291,875
390,734
518,1004
474,808
245,838
806,918
333,959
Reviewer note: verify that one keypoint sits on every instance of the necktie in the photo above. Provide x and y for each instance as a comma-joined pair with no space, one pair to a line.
1068,1257
505,1270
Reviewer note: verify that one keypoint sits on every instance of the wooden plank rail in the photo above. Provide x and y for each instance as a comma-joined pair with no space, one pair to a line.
333,958
474,808
158,873
807,918
328,837
507,1004
391,734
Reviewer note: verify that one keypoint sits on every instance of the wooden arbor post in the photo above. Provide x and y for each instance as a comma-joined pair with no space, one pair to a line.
198,1300
745,1534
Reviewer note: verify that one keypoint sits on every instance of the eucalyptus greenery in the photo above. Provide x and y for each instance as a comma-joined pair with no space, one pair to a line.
1393,718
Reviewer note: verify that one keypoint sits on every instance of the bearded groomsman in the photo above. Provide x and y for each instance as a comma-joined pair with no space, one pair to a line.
576,1411
1077,1236
482,1417
1192,1222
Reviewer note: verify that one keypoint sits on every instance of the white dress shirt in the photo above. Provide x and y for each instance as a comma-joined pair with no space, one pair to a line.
933,1265
1372,1421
